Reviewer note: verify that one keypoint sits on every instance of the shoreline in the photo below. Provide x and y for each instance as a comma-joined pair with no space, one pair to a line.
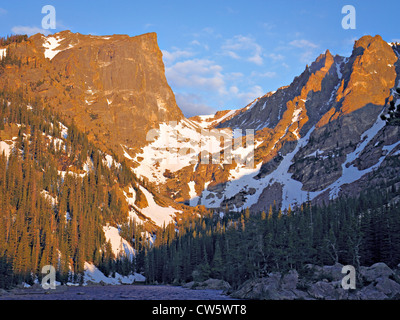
113,292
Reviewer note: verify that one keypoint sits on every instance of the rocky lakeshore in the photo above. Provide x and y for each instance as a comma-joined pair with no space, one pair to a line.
377,282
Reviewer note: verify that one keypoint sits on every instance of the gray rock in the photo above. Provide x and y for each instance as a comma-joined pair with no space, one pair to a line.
260,289
333,272
290,280
3,292
291,294
216,284
370,293
322,283
273,280
330,273
376,271
322,290
388,287
212,284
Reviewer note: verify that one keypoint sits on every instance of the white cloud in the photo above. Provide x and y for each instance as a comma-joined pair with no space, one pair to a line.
306,54
267,74
232,54
246,97
268,26
256,58
29,30
234,75
192,105
170,57
148,26
302,43
242,47
207,32
199,74
201,84
197,43
276,56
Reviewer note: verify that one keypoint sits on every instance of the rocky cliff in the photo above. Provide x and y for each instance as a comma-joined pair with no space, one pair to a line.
317,138
113,87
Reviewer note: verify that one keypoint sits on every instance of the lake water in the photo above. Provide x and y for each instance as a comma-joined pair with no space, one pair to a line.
118,292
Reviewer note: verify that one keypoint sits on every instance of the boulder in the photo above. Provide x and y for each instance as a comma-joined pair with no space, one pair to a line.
260,289
376,271
324,290
330,273
3,292
290,280
272,287
333,272
216,284
211,284
370,292
322,283
388,287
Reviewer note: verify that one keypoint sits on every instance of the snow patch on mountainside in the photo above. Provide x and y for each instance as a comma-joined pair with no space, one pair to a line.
93,274
50,44
160,215
292,192
6,148
176,145
3,53
351,173
131,197
192,194
109,161
119,245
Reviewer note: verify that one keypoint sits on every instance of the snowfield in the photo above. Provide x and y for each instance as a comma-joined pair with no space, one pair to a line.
3,53
94,275
154,161
177,145
50,44
160,215
6,148
119,245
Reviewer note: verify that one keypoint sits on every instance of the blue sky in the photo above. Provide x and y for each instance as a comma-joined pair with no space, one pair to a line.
219,54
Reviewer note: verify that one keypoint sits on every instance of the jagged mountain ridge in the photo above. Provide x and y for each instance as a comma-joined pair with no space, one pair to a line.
319,137
306,133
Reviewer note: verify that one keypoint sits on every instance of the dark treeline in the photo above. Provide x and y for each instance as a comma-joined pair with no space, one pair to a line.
15,38
35,230
10,58
239,246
